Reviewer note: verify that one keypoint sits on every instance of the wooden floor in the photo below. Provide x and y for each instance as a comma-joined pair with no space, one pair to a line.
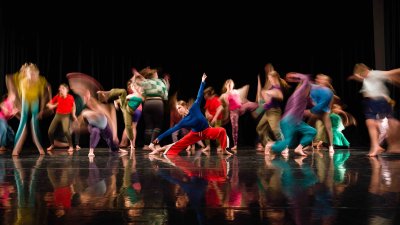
246,188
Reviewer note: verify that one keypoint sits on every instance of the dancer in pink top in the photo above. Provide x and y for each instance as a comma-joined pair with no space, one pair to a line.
237,104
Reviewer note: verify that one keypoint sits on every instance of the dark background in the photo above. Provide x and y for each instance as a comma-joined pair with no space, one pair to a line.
224,40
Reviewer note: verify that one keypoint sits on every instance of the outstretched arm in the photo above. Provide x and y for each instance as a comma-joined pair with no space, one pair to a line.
201,89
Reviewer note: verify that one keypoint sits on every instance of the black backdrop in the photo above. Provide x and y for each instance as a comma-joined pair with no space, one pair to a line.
225,41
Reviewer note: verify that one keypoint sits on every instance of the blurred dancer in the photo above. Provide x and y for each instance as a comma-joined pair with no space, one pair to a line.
31,89
377,102
292,120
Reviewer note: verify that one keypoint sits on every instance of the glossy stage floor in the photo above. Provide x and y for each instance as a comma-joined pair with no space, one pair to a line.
247,188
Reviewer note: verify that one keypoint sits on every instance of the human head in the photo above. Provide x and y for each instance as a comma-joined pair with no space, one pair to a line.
149,73
273,78
361,69
209,92
182,107
30,70
228,85
63,89
323,80
268,68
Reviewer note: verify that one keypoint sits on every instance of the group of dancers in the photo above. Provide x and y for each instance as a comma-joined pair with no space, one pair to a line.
313,114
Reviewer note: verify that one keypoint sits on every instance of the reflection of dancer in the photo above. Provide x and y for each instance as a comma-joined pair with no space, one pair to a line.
31,89
26,190
194,119
384,191
292,119
194,182
131,187
296,189
62,179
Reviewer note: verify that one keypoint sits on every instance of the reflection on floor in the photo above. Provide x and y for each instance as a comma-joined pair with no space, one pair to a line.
248,188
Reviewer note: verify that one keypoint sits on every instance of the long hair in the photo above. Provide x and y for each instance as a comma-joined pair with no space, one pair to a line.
282,83
224,88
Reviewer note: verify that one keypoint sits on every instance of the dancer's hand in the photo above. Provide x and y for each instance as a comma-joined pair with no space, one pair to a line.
155,141
204,77
213,120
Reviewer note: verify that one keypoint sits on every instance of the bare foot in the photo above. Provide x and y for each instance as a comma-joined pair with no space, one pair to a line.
70,149
122,152
319,145
207,148
259,147
307,148
225,152
41,152
299,151
285,153
331,151
299,160
51,147
77,147
375,151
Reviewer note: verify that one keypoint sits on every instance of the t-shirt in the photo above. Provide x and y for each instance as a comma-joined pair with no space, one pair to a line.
374,85
65,105
212,105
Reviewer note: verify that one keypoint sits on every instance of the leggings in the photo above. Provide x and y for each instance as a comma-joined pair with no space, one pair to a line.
153,113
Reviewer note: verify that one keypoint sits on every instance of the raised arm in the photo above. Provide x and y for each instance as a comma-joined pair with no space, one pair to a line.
201,89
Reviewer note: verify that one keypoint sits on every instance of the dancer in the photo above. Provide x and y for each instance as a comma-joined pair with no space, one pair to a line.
175,118
322,99
98,126
135,117
213,112
65,105
292,119
238,105
200,130
128,105
7,112
31,89
268,127
377,103
155,91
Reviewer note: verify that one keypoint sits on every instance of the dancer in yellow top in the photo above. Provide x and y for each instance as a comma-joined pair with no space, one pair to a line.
31,89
